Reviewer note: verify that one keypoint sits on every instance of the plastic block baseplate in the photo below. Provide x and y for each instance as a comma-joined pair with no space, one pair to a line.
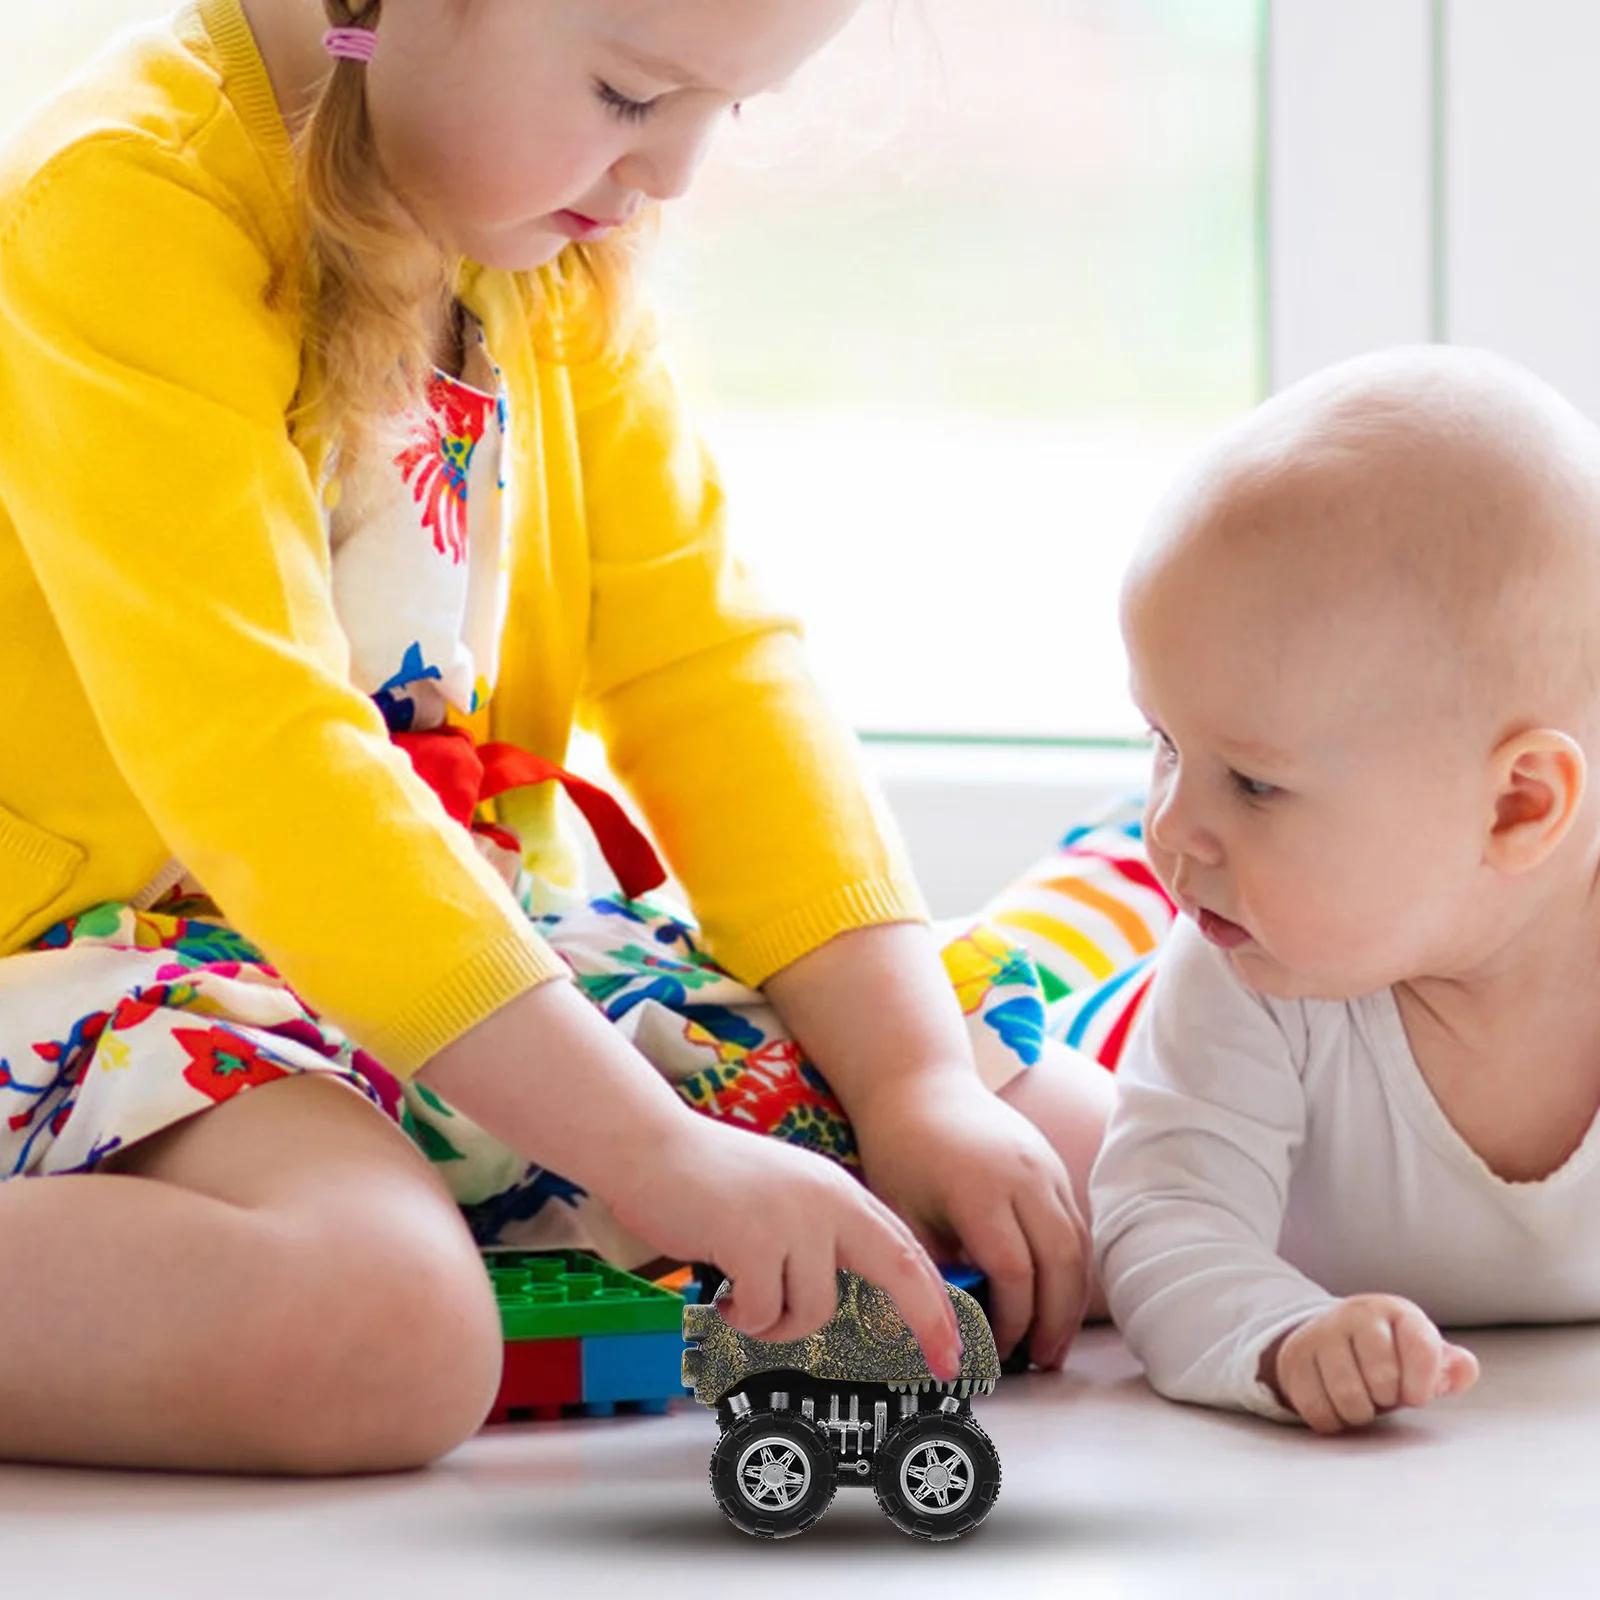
568,1294
583,1337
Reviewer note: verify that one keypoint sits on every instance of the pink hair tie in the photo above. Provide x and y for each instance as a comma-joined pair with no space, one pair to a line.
351,44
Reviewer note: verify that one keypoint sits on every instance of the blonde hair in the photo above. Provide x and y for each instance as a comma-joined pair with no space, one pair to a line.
377,288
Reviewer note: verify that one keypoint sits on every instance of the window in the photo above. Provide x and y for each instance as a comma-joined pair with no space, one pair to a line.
951,310
1430,178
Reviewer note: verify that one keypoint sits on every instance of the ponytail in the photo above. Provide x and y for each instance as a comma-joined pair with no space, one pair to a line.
378,288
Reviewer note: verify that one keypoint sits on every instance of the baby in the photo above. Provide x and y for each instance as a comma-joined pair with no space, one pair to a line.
1361,1105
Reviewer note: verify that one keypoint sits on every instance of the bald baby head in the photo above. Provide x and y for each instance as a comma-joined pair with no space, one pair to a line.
1363,630
1423,525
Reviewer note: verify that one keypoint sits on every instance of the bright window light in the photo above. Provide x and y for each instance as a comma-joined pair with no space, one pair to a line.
952,309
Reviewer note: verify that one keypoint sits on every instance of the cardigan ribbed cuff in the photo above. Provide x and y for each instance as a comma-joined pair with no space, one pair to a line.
753,955
458,1003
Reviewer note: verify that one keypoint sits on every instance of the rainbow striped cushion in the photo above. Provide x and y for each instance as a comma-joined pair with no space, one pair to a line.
1091,915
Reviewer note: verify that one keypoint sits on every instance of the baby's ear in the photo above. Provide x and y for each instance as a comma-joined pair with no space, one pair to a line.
1539,779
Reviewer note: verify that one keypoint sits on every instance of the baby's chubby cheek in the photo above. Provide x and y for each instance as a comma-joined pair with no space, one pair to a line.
1318,949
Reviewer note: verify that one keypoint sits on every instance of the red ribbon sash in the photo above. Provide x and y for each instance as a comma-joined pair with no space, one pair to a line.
464,773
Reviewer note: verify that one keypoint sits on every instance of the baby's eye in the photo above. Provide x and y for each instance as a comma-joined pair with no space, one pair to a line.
1252,788
623,107
1160,744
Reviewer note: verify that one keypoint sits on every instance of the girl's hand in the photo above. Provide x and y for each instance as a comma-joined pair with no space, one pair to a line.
1368,1355
978,1181
778,1222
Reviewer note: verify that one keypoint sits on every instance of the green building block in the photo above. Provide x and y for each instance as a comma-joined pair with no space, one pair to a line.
569,1294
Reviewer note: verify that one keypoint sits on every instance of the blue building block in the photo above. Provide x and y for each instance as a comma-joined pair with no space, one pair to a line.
965,1277
643,1369
977,1285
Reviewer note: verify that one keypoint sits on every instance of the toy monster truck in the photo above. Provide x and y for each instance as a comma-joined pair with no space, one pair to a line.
854,1403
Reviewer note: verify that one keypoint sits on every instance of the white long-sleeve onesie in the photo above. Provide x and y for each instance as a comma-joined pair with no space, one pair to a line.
1269,1157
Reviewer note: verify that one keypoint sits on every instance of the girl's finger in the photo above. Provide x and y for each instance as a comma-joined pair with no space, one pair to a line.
810,1289
888,1255
1000,1250
1061,1276
754,1303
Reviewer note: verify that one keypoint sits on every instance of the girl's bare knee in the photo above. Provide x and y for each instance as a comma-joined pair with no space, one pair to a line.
390,1373
391,1347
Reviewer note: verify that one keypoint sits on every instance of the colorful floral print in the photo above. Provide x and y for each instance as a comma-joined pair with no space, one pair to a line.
171,1011
420,550
222,1064
436,463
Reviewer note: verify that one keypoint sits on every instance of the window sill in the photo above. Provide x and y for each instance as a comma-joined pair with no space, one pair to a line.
975,814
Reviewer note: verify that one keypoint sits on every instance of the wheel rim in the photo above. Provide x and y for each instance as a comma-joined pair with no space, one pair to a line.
937,1477
773,1474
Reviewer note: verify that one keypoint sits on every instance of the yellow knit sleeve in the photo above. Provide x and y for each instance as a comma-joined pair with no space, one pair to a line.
173,526
700,692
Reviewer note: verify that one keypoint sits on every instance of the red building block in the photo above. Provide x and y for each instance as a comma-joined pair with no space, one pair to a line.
539,1378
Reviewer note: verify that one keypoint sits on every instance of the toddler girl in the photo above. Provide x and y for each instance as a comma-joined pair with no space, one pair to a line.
343,479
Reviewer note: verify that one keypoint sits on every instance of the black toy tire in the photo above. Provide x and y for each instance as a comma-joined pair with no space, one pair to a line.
792,1508
943,1440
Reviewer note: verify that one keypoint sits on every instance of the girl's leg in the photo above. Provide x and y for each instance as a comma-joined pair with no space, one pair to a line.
1068,1098
279,1285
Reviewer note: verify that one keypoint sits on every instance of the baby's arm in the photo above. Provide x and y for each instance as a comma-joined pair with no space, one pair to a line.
1189,1192
1189,1198
775,1219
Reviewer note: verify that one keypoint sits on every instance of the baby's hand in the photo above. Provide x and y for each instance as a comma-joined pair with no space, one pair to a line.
778,1222
1367,1355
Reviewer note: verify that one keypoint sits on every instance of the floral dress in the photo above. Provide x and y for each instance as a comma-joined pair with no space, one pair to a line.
131,1017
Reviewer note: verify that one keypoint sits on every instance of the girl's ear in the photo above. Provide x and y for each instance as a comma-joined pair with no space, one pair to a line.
1538,778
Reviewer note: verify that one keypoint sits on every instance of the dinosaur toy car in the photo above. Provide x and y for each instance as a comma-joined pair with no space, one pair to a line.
852,1403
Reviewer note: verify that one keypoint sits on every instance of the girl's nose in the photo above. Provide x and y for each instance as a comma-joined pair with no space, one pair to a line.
665,168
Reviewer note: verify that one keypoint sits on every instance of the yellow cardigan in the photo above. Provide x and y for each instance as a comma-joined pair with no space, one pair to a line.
175,683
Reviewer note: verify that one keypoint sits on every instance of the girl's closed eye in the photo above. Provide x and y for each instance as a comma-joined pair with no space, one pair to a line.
624,107
1252,788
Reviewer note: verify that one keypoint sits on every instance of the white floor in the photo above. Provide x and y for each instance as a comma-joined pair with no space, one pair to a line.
1110,1494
